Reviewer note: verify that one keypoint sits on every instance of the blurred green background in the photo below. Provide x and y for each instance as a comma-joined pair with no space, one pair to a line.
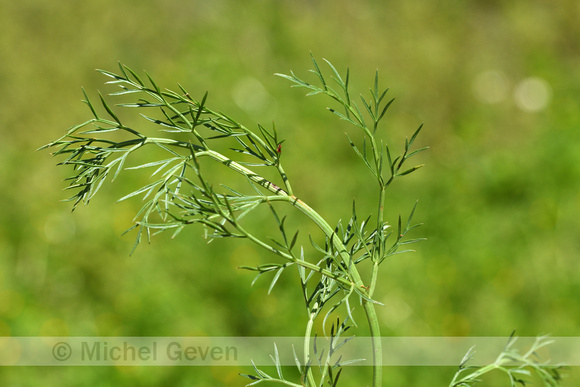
497,84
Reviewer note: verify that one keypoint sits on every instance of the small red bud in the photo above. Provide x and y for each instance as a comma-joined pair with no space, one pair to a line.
279,149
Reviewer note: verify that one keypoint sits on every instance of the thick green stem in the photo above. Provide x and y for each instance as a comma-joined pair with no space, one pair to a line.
375,332
339,247
357,282
369,307
307,336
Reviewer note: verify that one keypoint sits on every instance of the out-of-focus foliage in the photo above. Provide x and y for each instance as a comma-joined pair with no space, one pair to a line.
497,84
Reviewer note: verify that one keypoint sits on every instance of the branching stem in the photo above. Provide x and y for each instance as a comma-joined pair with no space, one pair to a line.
175,200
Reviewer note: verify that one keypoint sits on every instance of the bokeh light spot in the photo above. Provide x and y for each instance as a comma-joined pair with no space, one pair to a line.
532,94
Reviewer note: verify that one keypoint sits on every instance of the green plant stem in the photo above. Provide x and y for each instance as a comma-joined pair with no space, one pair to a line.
368,305
357,282
307,338
377,245
369,309
375,332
